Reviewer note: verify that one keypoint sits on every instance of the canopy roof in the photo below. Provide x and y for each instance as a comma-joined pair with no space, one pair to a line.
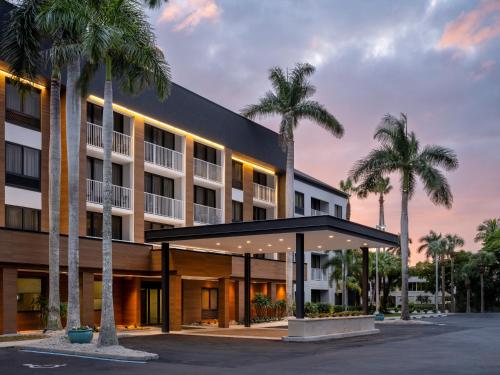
270,236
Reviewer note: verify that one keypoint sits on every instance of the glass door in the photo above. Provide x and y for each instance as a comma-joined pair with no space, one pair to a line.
151,306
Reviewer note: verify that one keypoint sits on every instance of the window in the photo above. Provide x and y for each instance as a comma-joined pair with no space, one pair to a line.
22,166
204,196
159,137
29,291
299,203
315,204
315,261
237,175
259,178
205,152
22,218
95,171
94,115
237,212
22,108
209,298
315,296
94,225
338,211
259,213
97,295
158,185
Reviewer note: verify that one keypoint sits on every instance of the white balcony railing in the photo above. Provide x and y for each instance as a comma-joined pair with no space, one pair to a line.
121,142
263,193
121,196
318,212
207,215
208,171
163,206
162,156
319,274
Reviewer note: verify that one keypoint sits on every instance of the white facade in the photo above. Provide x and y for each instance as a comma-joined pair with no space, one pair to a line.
416,293
331,202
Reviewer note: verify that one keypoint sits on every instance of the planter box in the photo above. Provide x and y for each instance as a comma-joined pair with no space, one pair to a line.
316,329
80,336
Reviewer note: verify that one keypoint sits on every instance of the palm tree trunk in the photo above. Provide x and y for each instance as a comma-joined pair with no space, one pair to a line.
405,312
290,207
443,291
348,210
452,283
345,295
481,277
107,333
73,114
54,318
468,299
436,263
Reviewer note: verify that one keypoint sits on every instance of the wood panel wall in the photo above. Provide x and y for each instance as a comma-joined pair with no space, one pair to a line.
44,178
138,179
8,300
82,199
189,181
2,150
247,192
228,188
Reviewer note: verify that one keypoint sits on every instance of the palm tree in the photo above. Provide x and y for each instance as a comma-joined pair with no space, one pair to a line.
486,228
453,241
484,260
465,273
492,241
119,36
290,98
401,152
345,259
348,188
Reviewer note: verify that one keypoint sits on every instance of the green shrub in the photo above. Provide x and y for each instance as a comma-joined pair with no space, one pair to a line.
324,308
338,308
311,309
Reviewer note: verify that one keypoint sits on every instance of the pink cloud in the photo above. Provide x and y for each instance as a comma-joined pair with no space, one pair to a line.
474,27
187,14
484,69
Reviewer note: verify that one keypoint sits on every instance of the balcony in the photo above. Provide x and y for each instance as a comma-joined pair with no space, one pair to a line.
318,212
264,193
163,157
163,206
121,196
207,171
319,274
207,215
121,142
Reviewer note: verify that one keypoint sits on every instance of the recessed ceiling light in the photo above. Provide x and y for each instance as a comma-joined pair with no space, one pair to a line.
281,239
248,241
365,244
348,240
269,245
289,248
239,246
319,246
260,249
330,236
218,243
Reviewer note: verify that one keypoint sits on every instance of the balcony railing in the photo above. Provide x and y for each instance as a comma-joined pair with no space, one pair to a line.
208,171
121,142
162,156
263,193
121,197
319,274
207,215
318,212
163,206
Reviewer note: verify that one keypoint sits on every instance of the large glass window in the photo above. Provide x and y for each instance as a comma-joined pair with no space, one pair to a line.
158,185
259,213
97,295
237,172
204,196
260,178
205,152
209,297
237,212
22,218
159,137
94,115
315,261
299,203
94,225
95,171
22,108
22,166
29,291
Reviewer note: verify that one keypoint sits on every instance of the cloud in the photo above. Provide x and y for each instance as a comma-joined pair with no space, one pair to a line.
187,14
473,28
484,69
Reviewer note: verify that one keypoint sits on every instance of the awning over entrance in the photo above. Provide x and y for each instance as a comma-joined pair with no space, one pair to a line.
312,233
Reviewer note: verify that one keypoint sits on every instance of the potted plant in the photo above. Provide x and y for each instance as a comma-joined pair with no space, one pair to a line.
80,335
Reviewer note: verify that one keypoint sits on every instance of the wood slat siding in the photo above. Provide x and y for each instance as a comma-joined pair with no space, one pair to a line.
223,305
228,188
191,263
82,199
131,301
87,298
175,303
247,192
8,300
138,179
44,178
189,181
30,248
191,300
2,150
261,269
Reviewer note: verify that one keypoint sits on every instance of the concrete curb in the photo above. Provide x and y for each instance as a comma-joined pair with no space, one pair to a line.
120,357
329,337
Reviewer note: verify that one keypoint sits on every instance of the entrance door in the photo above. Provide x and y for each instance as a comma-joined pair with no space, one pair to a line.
151,309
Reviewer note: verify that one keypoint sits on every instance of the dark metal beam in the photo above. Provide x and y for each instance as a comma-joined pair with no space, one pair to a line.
299,275
247,282
364,286
165,286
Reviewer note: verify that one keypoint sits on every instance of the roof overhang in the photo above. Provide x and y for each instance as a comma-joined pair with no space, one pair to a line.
321,233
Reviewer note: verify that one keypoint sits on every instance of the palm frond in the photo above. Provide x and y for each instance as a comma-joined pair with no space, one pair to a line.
317,113
435,185
268,105
440,157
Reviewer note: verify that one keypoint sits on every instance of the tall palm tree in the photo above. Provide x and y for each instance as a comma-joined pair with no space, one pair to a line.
465,273
121,38
453,241
348,188
290,98
400,152
492,241
345,259
486,228
484,260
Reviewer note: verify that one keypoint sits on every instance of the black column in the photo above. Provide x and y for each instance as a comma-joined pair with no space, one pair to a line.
299,275
364,286
248,270
165,286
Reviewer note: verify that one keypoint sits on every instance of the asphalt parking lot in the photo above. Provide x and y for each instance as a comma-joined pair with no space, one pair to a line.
460,344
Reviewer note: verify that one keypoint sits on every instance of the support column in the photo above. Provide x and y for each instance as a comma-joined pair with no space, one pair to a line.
175,305
87,298
364,286
247,288
224,302
165,285
299,275
8,300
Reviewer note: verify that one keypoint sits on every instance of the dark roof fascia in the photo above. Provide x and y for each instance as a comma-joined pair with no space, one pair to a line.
301,176
290,225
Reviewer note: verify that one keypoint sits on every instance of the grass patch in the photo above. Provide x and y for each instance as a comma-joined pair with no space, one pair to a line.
21,338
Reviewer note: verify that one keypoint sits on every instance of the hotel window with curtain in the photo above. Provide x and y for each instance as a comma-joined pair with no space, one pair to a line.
158,185
22,218
204,196
237,172
94,225
22,166
22,106
159,137
237,212
204,152
29,291
299,203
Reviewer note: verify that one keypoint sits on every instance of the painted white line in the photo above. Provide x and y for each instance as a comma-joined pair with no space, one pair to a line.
82,356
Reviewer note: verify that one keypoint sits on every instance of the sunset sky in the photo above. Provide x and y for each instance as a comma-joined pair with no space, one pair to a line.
435,60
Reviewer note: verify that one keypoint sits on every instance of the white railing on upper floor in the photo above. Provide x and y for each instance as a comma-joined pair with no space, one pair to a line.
264,193
207,215
121,196
163,206
163,157
121,142
208,171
